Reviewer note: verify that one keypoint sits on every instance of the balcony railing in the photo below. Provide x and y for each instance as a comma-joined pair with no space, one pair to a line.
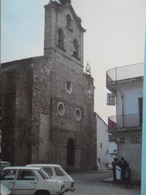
124,72
124,121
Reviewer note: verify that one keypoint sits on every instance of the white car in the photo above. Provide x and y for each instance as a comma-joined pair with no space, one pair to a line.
4,190
4,164
30,181
57,172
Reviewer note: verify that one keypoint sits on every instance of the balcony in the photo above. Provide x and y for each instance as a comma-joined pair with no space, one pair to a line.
124,73
128,121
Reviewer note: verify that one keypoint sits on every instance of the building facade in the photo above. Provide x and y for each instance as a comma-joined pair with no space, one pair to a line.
112,150
48,101
102,143
127,84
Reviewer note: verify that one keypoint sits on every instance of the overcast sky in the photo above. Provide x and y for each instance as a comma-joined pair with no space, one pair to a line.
114,36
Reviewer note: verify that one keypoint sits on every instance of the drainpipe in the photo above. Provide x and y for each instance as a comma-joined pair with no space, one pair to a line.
51,131
122,96
116,74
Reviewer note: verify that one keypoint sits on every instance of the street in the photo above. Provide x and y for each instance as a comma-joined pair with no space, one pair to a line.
92,184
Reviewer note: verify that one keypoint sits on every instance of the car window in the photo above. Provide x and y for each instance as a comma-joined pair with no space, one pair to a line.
8,175
26,175
48,170
44,174
3,165
58,171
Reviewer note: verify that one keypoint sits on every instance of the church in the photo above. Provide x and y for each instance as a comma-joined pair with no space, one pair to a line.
48,101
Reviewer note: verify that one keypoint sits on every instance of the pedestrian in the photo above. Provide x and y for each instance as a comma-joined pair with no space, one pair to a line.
114,164
123,164
127,176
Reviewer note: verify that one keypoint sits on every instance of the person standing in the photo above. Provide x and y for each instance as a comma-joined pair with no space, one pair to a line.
127,178
114,164
123,164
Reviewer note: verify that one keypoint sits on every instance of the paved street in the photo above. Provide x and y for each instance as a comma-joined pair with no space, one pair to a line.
92,184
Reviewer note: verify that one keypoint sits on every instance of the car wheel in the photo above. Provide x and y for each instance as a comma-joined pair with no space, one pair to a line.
42,193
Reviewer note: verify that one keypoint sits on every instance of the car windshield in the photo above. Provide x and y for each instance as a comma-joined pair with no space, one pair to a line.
44,174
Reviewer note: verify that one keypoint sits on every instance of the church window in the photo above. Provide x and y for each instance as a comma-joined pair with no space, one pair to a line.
76,49
68,21
61,109
60,38
78,114
69,87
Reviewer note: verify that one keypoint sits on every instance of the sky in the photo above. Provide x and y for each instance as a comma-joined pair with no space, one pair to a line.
114,36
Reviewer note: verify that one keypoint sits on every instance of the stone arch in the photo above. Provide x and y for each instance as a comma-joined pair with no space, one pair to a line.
70,146
70,152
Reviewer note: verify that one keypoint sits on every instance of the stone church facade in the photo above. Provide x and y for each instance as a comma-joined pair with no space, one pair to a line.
48,101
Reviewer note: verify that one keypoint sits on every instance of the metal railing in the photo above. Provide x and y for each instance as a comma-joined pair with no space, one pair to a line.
125,72
124,121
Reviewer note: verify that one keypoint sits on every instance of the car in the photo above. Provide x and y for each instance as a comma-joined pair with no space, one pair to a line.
31,181
4,190
4,164
57,172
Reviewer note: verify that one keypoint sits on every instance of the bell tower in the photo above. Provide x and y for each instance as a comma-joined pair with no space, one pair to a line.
63,33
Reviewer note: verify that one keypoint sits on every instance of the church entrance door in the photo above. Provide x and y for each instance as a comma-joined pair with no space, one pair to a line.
70,152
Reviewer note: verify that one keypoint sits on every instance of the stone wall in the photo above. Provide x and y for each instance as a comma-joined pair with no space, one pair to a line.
16,109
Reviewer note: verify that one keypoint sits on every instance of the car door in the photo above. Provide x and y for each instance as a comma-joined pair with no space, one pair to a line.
25,183
8,178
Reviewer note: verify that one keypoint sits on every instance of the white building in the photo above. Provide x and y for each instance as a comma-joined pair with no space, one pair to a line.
127,84
112,151
102,143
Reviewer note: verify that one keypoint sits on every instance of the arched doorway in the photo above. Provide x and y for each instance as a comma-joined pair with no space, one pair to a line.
70,152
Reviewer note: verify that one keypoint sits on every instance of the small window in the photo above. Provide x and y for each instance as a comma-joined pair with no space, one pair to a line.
61,109
100,145
68,21
69,87
76,49
60,38
78,114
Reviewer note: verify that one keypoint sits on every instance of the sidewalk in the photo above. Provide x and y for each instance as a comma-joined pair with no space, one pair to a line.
110,180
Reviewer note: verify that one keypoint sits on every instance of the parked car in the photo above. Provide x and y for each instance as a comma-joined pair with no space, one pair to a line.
57,172
31,181
4,190
4,164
